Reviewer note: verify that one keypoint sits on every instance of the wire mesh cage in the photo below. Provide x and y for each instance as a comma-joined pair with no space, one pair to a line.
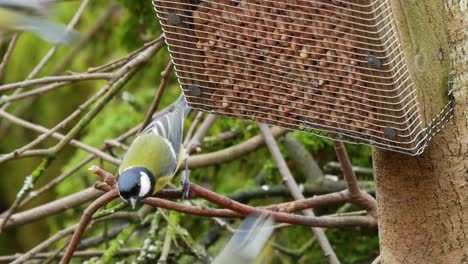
333,68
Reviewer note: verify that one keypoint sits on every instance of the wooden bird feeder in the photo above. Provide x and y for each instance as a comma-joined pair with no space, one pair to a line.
332,68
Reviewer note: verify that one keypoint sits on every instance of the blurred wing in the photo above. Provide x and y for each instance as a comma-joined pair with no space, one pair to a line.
29,15
25,6
50,31
247,242
32,7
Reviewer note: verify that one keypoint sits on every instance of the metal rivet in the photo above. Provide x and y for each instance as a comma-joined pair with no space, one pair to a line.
173,18
374,62
194,90
390,133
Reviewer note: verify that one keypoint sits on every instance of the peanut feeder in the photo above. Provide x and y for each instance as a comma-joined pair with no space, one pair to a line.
330,67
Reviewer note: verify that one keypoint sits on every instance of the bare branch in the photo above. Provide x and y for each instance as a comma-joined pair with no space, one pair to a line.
63,80
166,246
197,139
22,152
302,158
231,153
228,135
322,221
192,128
85,219
290,182
113,7
63,233
121,61
336,166
44,245
8,53
312,202
79,254
56,180
356,194
162,87
52,208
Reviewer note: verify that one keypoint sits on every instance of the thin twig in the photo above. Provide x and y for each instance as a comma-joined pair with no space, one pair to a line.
51,208
231,153
56,79
79,254
166,245
99,239
44,245
228,135
118,242
162,87
63,233
121,61
6,57
336,166
192,127
56,180
121,77
296,253
22,152
312,202
191,244
103,20
290,182
85,219
355,193
197,139
26,188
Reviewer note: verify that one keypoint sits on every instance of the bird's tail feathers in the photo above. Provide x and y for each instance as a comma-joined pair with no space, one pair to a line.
182,103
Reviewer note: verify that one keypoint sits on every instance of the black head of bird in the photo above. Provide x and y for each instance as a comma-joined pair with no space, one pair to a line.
136,184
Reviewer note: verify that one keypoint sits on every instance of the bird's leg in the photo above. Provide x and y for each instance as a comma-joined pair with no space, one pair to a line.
186,179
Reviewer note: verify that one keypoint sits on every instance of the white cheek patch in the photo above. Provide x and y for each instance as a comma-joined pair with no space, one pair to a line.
145,184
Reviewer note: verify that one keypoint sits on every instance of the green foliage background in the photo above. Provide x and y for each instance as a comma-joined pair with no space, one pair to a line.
133,24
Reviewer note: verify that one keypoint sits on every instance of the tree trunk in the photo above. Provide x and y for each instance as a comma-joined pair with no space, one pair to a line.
423,200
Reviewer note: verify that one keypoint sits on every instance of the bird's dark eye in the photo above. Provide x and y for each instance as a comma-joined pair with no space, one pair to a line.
125,195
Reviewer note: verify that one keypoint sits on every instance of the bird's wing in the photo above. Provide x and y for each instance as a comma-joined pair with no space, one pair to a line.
50,31
248,241
170,123
38,7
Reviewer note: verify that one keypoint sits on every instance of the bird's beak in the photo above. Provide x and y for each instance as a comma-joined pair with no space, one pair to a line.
132,201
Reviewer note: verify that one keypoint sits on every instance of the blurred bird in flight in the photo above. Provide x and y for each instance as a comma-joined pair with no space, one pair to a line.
248,241
31,16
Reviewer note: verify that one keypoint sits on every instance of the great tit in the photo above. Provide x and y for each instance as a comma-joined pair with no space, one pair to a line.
30,15
248,241
155,155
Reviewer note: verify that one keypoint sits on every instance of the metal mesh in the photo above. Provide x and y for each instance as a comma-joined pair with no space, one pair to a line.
315,66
